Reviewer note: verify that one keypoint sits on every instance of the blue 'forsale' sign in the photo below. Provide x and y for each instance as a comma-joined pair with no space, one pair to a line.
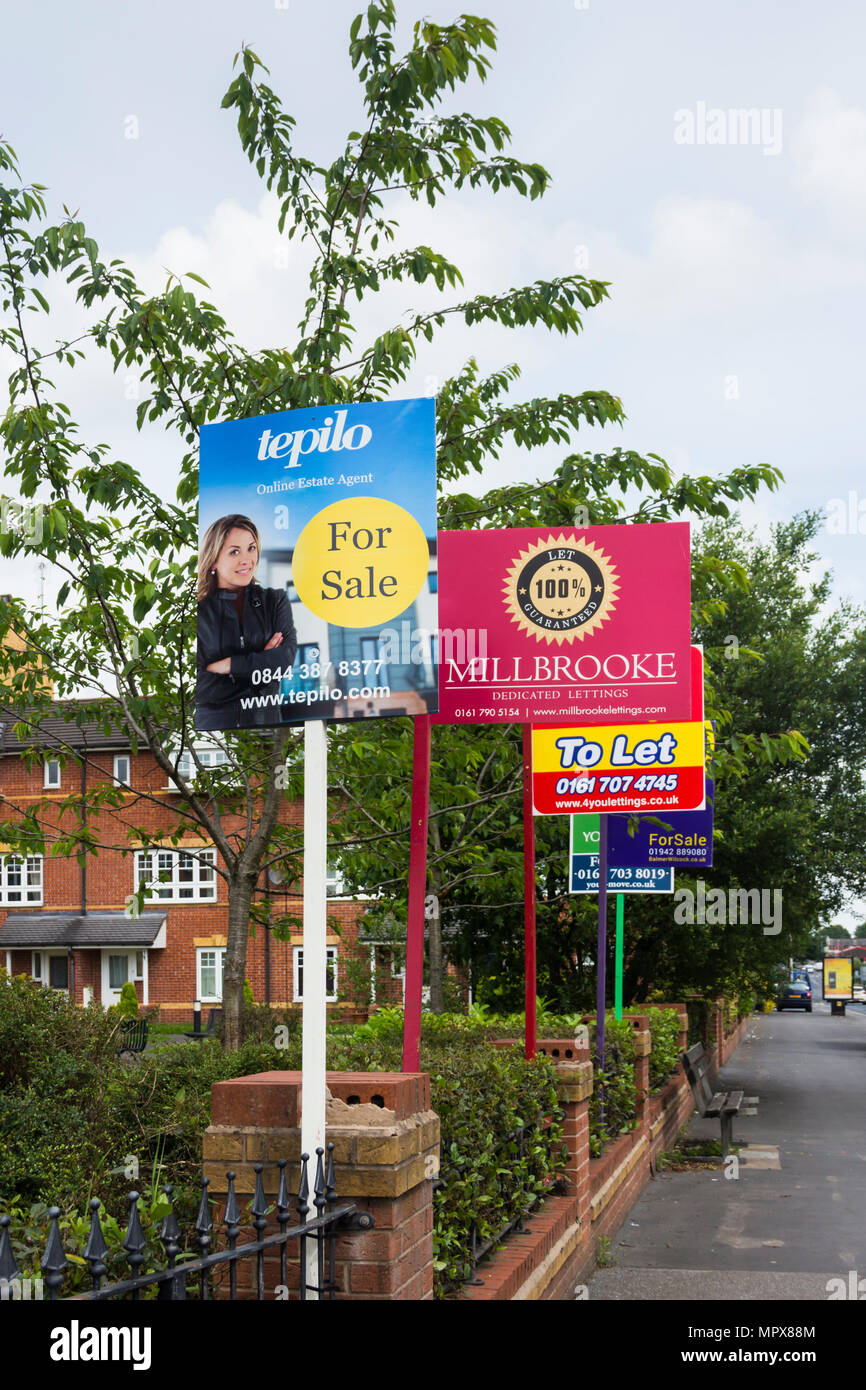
683,837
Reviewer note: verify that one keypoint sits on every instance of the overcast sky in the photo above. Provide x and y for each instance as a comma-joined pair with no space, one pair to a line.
734,333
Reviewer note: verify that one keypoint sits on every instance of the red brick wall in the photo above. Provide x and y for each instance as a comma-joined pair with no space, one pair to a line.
111,881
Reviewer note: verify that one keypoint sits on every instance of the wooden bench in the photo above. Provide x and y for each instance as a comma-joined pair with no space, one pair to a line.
214,1023
711,1102
133,1036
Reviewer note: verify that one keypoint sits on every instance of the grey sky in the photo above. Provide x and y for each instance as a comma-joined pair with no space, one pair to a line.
734,333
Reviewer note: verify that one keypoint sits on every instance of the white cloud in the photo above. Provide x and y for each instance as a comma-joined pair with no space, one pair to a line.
829,149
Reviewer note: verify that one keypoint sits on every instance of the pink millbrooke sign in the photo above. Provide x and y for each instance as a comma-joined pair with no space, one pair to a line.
565,624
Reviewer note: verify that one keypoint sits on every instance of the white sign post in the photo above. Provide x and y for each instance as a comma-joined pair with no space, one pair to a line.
315,956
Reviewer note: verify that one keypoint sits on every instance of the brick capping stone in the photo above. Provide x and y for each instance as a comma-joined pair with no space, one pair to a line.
386,1154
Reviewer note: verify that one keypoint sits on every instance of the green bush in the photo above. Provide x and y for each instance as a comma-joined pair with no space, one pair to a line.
664,1026
489,1176
614,1094
127,1005
73,1116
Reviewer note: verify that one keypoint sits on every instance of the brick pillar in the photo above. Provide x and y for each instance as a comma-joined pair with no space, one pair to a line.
386,1153
642,1050
574,1088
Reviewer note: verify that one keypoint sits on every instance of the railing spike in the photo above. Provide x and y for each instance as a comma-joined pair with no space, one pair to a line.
232,1218
319,1185
96,1248
303,1204
282,1194
54,1263
169,1232
8,1268
259,1205
330,1181
134,1242
204,1220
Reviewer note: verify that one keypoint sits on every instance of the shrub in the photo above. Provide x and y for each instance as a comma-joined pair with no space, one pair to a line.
664,1026
73,1116
612,1104
483,1095
127,1005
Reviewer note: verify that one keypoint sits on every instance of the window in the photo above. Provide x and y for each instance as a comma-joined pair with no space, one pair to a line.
330,974
21,879
52,774
121,769
374,668
58,972
209,974
36,966
139,965
177,876
433,582
208,757
118,971
334,881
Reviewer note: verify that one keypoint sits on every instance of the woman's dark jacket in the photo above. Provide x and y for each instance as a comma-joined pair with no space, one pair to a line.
220,634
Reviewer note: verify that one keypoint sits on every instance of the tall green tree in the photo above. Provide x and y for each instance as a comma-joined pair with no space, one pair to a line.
783,654
124,628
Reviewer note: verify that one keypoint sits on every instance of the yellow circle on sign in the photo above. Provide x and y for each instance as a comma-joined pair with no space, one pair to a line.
360,562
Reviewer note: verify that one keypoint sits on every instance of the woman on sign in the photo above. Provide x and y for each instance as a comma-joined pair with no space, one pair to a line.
243,631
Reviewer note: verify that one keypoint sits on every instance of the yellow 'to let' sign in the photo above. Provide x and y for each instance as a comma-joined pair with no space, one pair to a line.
360,562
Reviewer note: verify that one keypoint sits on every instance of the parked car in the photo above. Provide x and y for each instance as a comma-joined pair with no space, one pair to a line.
796,995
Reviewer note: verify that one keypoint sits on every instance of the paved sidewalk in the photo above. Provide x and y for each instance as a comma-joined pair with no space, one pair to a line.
774,1232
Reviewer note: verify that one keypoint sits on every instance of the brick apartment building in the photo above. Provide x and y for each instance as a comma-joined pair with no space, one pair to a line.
70,927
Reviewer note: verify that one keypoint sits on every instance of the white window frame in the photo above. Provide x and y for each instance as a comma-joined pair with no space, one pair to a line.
298,965
49,783
208,754
335,884
127,780
44,976
219,953
23,893
148,868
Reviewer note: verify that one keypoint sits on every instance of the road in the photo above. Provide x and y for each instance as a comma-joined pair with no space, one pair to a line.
780,1231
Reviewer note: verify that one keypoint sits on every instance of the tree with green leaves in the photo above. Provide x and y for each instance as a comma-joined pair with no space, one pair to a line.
780,659
124,626
123,631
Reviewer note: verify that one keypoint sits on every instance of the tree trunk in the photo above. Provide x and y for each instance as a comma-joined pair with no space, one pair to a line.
241,889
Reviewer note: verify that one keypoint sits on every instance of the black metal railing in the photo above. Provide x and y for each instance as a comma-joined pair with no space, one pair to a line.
510,1185
204,1277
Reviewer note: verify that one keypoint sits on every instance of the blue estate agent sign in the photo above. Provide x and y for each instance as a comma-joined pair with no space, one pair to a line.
684,838
584,870
585,877
317,585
